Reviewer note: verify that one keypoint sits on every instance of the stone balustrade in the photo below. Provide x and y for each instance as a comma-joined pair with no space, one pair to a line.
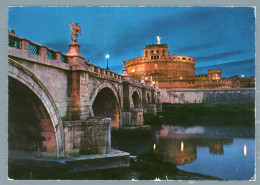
43,51
97,71
34,48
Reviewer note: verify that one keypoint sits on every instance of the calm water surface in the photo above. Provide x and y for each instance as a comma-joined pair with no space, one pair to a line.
224,152
171,153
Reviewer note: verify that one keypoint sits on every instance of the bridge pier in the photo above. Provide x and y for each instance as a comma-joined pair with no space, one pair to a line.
137,116
151,109
132,118
87,137
131,115
75,109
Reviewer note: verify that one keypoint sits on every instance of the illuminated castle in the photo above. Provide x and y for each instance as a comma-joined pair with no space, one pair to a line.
166,71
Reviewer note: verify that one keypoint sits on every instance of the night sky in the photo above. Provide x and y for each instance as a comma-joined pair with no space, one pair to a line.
221,35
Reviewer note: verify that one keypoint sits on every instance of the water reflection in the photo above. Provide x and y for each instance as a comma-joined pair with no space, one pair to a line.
179,145
225,152
173,150
245,150
193,149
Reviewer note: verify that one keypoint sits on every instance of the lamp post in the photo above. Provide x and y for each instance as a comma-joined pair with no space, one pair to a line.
107,57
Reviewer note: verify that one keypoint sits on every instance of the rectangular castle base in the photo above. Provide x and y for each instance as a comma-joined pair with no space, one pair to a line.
114,159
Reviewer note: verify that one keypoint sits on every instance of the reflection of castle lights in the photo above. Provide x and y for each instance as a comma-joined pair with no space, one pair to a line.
133,70
182,146
154,147
245,150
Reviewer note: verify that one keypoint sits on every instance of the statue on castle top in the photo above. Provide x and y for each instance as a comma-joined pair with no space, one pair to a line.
75,29
124,63
159,39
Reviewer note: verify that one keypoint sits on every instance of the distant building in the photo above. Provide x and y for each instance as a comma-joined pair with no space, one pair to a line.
166,71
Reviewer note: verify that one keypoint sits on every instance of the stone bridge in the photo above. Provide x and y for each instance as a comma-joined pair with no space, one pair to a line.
61,105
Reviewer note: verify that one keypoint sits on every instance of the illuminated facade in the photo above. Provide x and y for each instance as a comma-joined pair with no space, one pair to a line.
166,71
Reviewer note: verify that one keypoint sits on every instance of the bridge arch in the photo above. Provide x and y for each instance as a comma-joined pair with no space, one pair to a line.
45,108
136,99
105,102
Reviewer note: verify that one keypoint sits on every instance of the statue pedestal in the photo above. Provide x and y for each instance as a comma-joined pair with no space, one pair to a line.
125,75
74,56
76,61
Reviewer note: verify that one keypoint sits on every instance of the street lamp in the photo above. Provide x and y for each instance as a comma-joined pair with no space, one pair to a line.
107,57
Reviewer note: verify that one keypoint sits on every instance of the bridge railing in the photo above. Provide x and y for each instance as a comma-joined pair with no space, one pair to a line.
34,48
37,49
14,41
104,72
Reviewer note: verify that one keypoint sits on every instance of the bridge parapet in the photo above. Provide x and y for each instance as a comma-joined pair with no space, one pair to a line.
135,82
36,49
103,73
26,49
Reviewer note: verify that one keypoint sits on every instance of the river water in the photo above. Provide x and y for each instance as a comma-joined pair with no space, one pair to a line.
222,152
171,152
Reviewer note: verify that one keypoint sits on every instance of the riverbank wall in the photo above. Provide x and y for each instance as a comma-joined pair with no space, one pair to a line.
239,95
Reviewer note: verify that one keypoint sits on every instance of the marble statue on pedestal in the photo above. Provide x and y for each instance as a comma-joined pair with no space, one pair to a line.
75,29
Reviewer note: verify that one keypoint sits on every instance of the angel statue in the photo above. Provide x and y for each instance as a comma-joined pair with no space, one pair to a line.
75,29
124,63
159,39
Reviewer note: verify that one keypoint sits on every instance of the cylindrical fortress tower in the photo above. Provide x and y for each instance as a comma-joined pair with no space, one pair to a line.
156,65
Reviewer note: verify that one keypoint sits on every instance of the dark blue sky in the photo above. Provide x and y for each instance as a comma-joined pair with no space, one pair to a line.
224,35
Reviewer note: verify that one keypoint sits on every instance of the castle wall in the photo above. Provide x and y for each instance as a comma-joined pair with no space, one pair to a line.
245,95
166,71
198,83
171,66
